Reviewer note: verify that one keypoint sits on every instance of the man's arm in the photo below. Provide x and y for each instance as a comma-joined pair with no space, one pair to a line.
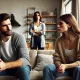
7,65
14,64
20,49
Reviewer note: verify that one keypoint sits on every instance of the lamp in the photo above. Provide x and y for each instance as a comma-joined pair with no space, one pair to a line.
13,21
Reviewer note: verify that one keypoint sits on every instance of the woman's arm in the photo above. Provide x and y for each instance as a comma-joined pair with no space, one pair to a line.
63,67
71,65
43,31
32,32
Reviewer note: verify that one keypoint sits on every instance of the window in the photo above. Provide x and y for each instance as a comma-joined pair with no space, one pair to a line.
68,6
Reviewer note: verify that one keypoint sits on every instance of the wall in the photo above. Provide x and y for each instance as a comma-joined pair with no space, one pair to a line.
18,8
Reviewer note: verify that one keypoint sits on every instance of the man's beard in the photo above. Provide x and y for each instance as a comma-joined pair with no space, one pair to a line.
7,33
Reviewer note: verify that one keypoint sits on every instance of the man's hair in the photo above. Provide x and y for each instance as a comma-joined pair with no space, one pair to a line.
4,16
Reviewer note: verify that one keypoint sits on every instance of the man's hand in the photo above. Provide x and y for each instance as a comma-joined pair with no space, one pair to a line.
61,68
2,65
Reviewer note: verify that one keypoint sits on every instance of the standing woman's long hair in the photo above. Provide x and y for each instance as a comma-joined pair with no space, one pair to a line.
35,16
71,20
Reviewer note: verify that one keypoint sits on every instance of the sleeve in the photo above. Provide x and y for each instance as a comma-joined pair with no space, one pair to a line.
22,49
43,31
31,29
78,52
57,57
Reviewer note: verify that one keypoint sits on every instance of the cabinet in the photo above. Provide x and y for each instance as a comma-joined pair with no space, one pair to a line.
50,21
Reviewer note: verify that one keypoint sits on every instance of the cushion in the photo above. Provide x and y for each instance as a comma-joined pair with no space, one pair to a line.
42,61
8,78
33,54
36,75
49,52
64,78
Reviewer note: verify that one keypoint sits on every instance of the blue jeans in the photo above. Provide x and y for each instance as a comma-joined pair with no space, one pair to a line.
22,73
50,73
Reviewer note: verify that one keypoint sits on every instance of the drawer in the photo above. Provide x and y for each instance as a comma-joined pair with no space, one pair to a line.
28,44
47,45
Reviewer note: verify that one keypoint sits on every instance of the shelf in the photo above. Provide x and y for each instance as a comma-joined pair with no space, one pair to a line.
48,16
51,25
31,8
50,38
46,31
43,16
46,38
51,30
48,23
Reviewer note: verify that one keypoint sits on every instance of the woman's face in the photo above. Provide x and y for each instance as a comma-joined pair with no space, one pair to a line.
62,26
37,16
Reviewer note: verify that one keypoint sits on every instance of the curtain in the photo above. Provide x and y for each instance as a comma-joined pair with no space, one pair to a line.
61,11
76,10
61,8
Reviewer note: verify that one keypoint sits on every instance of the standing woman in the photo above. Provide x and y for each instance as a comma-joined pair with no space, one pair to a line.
37,32
67,50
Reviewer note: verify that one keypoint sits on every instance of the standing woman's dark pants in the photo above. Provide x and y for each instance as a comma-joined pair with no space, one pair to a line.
37,43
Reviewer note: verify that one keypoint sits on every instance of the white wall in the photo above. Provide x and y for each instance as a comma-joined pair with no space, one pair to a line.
18,8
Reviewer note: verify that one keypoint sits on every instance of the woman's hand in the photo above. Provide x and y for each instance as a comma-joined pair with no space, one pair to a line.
37,32
61,68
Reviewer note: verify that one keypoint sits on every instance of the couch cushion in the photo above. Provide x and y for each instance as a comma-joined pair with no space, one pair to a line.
49,52
36,75
33,54
64,78
42,61
8,78
44,58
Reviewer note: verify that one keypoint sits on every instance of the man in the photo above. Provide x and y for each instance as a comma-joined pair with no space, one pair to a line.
14,55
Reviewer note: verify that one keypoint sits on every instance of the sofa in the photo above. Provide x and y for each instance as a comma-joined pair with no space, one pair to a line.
39,59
